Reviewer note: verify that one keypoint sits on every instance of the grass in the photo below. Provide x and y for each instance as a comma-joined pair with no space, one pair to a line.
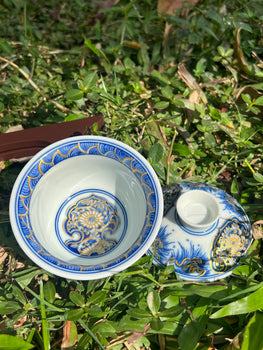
184,90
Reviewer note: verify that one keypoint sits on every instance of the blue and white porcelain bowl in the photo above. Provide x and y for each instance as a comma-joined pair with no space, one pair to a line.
204,232
86,207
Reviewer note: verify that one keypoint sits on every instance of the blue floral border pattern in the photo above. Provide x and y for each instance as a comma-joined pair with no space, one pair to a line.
76,148
232,238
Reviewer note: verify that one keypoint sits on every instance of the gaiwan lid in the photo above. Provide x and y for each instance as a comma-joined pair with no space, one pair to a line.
204,232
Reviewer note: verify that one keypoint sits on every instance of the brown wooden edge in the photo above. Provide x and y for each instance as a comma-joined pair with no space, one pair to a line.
28,142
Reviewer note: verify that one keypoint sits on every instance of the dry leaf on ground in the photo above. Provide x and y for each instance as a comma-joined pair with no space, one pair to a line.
167,7
257,229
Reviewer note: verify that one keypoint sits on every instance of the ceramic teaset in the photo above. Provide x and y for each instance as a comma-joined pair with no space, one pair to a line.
87,207
203,234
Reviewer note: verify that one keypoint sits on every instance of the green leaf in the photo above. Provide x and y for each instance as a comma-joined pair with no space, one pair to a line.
105,328
168,270
182,150
153,301
234,186
156,152
161,105
172,312
159,77
8,307
167,92
182,290
208,30
179,102
146,259
168,327
214,113
77,298
250,303
191,333
26,278
172,301
259,101
210,139
128,63
253,337
74,315
246,98
200,66
19,294
90,80
2,106
96,311
215,16
95,50
84,342
258,177
221,51
242,270
127,323
254,109
97,297
199,153
144,57
9,342
49,291
193,330
5,46
156,324
160,170
139,313
75,116
74,94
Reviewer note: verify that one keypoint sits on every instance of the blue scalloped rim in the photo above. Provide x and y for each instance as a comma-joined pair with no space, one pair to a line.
76,147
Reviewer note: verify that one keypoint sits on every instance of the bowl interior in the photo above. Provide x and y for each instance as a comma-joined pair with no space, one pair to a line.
86,204
88,208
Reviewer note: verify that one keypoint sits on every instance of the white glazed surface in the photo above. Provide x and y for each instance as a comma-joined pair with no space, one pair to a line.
56,186
197,209
211,254
52,189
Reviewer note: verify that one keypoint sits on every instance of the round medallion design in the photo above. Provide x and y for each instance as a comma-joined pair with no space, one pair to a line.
91,225
230,243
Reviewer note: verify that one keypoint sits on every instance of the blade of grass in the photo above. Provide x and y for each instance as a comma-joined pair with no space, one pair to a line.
31,335
52,307
250,303
93,336
169,158
45,331
25,21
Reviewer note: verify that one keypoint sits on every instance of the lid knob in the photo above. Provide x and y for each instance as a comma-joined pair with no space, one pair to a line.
197,209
